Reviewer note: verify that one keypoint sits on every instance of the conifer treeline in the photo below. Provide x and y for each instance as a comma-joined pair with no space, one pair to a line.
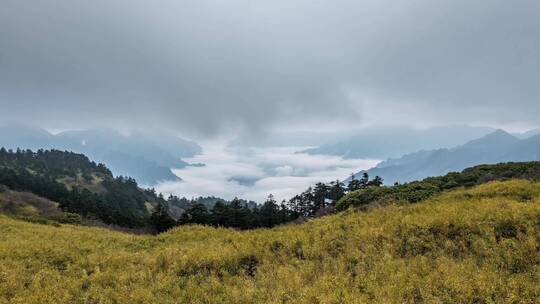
237,214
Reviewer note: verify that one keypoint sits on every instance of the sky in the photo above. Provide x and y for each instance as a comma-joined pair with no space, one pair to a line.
209,67
268,73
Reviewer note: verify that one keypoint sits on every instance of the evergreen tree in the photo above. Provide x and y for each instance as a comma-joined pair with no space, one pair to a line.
220,214
354,184
320,194
295,205
197,214
285,215
376,182
240,214
307,204
161,219
336,191
364,181
269,214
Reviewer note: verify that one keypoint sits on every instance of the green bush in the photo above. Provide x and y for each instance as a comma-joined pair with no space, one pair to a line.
69,218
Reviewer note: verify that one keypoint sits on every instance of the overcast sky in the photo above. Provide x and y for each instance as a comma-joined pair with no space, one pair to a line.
208,67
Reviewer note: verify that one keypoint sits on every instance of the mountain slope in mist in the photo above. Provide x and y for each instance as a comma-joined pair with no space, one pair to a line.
495,147
147,157
386,142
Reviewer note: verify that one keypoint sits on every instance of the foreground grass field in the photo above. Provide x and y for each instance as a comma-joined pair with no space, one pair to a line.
480,245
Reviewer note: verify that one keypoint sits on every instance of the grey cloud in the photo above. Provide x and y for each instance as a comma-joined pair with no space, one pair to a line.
205,66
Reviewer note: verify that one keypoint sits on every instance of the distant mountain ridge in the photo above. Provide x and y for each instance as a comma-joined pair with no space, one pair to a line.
145,156
496,147
388,142
527,134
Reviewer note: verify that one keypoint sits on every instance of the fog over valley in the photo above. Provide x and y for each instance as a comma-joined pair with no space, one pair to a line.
254,173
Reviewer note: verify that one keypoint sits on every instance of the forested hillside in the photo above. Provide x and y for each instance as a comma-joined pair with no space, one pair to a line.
479,245
147,157
77,185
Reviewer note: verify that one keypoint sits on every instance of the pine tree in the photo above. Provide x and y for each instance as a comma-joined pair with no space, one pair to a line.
269,212
197,214
354,184
220,214
336,191
364,181
307,205
376,182
161,219
320,194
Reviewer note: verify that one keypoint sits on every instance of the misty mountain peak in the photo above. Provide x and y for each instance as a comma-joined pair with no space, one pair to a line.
497,137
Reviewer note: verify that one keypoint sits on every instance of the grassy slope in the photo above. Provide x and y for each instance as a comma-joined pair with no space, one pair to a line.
479,245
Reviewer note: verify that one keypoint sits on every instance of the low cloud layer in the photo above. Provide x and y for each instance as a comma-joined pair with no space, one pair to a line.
255,173
209,66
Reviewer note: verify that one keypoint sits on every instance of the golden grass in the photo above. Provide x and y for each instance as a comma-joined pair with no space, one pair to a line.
467,246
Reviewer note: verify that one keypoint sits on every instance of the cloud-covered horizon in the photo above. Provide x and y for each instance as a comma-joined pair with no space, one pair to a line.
209,67
254,173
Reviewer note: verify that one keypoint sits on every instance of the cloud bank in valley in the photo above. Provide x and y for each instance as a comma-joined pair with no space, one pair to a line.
255,173
211,66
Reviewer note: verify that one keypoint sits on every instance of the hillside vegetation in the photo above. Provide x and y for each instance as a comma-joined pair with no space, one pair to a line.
418,190
77,185
475,245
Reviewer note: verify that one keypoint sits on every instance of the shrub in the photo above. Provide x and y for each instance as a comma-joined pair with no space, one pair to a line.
69,218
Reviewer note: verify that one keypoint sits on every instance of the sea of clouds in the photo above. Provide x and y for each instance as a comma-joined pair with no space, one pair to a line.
254,173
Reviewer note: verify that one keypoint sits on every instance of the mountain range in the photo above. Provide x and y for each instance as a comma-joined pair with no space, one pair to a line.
145,156
498,146
395,141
